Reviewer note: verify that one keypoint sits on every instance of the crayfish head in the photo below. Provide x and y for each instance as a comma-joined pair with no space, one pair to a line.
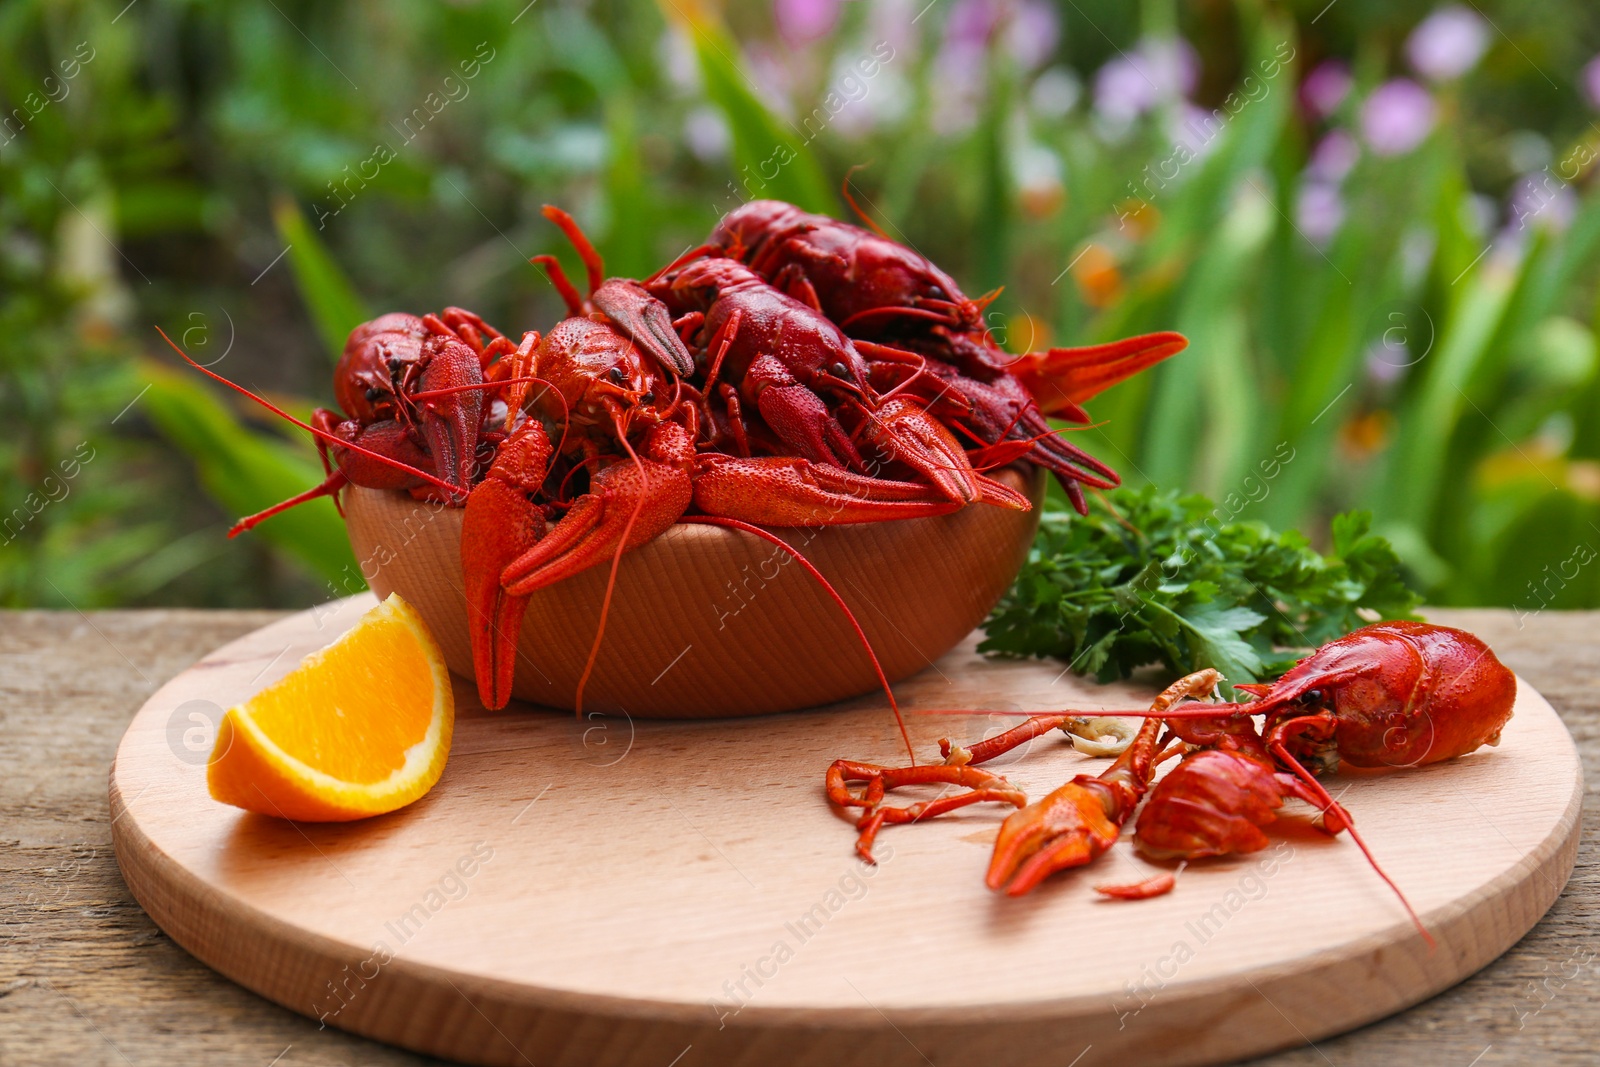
846,373
601,375
374,360
699,283
745,231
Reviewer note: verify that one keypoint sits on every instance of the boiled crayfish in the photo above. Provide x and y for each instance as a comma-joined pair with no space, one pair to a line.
793,371
896,303
1394,694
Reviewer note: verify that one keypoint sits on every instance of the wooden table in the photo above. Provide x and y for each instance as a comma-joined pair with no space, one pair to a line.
86,978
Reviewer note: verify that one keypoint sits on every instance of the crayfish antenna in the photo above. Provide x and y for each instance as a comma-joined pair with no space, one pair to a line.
332,439
611,579
1198,711
767,535
979,303
844,190
688,257
452,390
1309,780
558,278
329,487
592,263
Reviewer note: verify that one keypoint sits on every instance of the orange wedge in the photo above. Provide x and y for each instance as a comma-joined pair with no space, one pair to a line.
360,728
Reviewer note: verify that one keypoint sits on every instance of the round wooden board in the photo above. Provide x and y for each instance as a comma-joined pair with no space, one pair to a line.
652,893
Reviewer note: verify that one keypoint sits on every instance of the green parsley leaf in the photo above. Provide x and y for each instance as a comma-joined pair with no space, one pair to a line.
1172,579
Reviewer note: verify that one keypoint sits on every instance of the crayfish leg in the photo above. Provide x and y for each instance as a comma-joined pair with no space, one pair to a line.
1155,886
981,786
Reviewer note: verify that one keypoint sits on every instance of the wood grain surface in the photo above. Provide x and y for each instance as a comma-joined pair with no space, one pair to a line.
608,925
86,979
704,620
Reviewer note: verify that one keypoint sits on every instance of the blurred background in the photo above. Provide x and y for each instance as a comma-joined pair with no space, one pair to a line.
1377,221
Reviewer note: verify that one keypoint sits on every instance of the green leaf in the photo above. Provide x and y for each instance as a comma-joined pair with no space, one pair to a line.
1427,423
1348,530
1218,640
335,307
245,472
629,246
773,160
1188,590
1218,366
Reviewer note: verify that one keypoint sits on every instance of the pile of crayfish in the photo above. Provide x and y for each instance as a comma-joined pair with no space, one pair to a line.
1390,695
793,370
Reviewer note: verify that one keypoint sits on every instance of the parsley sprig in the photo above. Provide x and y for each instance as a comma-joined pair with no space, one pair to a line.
1166,578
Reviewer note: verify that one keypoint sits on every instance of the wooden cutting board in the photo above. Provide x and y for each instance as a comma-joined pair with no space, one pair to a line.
653,893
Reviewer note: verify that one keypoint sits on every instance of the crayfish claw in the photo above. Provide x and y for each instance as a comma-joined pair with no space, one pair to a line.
1067,828
903,430
790,491
645,321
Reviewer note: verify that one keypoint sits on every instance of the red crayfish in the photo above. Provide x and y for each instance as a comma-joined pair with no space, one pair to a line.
722,390
1393,694
885,294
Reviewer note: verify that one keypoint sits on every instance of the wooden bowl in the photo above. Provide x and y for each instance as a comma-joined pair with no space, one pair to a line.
708,621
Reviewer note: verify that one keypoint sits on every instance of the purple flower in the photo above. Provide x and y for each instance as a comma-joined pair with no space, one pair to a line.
1333,157
803,21
1396,117
961,65
958,84
893,23
771,78
1447,43
1591,82
1032,33
676,54
1196,128
1325,87
1170,62
971,22
1319,211
1542,200
1123,90
1153,73
1388,359
706,134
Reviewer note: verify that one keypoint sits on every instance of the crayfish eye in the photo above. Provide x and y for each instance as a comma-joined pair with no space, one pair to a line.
839,370
1312,696
647,398
616,375
373,392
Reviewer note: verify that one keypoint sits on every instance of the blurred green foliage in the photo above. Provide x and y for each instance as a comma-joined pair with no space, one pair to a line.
1413,328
